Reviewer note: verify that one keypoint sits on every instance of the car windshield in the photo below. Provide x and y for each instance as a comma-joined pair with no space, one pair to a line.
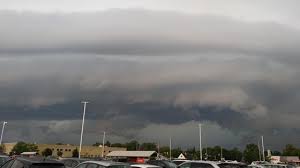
228,165
47,166
119,166
170,164
3,160
178,162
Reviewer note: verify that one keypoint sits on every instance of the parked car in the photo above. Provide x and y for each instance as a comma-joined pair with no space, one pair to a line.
232,165
72,162
102,164
22,162
3,159
163,163
179,161
144,166
199,164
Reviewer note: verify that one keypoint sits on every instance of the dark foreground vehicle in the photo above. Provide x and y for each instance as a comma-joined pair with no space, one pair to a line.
102,164
3,159
21,162
72,162
162,163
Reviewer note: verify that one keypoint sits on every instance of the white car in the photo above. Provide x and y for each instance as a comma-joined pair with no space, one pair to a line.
144,166
199,164
102,164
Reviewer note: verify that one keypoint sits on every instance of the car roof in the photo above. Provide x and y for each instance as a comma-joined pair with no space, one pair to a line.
106,163
200,161
34,160
145,165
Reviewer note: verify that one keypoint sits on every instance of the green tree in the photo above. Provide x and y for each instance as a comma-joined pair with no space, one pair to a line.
47,152
97,144
148,146
107,143
59,153
24,147
290,150
132,145
251,153
2,148
75,153
118,145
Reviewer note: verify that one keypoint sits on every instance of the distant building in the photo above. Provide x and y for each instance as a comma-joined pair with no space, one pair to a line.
132,156
285,159
28,154
67,149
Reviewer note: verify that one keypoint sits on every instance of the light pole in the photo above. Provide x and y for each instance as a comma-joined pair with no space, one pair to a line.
4,123
170,148
200,141
263,148
82,125
103,145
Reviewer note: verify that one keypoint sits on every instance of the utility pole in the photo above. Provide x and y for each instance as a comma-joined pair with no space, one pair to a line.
103,145
3,126
170,148
82,126
263,148
259,151
200,141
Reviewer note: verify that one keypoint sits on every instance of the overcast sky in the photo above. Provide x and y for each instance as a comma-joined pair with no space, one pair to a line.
151,69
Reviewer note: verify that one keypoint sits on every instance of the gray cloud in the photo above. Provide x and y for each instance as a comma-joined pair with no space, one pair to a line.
147,72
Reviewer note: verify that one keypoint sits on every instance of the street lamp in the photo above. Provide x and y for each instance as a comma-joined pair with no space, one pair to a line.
82,125
200,140
4,123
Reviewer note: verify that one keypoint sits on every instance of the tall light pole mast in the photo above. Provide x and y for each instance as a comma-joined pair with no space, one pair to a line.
82,126
4,123
170,148
259,152
200,140
263,148
103,145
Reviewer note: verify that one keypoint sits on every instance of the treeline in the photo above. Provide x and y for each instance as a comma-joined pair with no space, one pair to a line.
249,154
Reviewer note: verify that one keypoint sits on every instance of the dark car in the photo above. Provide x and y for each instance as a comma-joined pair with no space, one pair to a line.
22,162
72,162
162,163
3,159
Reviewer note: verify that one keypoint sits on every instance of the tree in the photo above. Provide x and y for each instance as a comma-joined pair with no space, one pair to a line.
24,147
118,145
75,153
59,153
251,153
2,148
132,145
47,152
97,144
107,143
291,150
148,146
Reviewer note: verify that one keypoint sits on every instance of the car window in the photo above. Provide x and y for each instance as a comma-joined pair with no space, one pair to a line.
17,164
91,165
74,163
82,165
3,160
185,165
8,164
201,165
47,166
68,163
119,166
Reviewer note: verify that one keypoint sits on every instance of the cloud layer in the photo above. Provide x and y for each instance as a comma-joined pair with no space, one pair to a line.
146,73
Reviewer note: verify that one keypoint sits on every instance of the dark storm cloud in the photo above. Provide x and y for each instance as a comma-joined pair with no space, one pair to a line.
146,71
140,32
